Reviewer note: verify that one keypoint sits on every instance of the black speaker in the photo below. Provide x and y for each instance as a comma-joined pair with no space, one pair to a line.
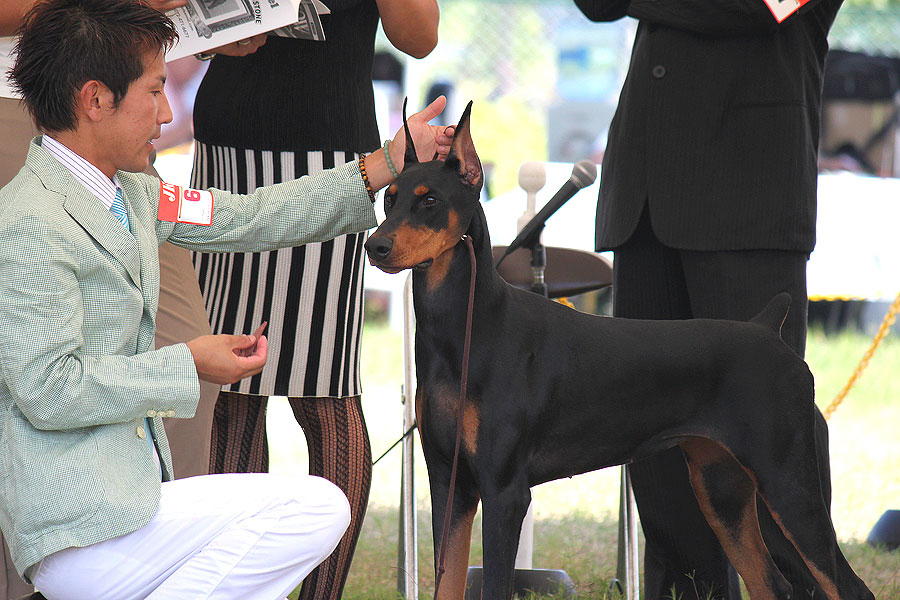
886,531
539,581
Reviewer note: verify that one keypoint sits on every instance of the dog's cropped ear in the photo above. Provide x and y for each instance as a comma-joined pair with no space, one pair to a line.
462,156
409,157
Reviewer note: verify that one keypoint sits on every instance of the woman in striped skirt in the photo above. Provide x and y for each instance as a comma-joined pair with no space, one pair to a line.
289,109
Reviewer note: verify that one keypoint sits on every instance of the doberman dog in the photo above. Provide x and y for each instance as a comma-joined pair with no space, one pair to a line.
553,392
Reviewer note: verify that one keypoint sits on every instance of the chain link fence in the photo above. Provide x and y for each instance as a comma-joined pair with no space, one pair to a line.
869,30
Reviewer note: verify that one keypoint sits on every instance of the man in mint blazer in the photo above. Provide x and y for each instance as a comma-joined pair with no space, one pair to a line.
87,504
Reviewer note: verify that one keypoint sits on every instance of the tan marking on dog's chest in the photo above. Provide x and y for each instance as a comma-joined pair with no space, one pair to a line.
471,421
445,406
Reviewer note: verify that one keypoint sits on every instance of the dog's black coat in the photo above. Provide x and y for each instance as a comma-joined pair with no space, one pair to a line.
553,392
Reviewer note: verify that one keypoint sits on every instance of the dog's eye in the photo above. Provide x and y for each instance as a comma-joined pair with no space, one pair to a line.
388,203
429,201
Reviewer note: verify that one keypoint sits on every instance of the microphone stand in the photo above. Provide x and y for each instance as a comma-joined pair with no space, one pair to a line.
530,579
538,266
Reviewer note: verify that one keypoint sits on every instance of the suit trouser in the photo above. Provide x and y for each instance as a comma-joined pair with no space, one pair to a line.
16,130
247,536
652,281
180,318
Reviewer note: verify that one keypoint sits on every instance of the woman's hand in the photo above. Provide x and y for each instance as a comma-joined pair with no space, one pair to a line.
427,139
241,47
166,5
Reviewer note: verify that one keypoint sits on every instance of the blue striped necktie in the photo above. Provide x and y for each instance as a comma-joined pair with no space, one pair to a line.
118,208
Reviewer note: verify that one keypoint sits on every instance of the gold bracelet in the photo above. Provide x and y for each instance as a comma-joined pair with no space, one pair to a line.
362,170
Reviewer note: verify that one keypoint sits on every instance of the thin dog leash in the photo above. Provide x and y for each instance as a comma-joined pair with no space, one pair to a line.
394,445
464,377
459,419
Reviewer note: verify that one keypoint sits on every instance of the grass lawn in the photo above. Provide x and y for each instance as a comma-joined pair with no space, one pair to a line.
576,519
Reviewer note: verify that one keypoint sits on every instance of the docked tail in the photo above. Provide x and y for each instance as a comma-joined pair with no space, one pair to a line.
773,315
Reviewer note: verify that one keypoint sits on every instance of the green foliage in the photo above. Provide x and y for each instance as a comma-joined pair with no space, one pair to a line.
583,547
517,134
493,55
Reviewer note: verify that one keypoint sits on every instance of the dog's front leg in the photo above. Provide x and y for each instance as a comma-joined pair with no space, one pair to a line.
503,512
459,537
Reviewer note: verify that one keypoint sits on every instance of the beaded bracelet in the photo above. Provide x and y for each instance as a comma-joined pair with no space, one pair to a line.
387,159
362,170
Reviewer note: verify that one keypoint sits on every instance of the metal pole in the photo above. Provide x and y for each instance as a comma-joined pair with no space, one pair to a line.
408,556
628,565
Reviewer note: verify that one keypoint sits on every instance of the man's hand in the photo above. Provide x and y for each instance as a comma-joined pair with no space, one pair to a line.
227,358
165,5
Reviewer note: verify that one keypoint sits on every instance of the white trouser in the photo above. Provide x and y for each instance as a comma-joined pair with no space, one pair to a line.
249,536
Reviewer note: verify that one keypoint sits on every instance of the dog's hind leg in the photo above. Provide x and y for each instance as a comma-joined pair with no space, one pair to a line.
794,498
727,497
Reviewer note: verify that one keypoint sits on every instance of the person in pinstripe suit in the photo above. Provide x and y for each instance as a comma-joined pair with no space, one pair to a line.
294,107
708,199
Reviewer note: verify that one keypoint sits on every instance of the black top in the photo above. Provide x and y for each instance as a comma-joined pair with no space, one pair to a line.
278,99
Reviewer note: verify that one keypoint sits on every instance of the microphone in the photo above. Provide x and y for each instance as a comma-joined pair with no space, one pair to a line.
583,174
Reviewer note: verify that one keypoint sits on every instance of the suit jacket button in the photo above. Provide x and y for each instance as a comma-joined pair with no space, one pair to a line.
659,71
140,432
151,413
170,413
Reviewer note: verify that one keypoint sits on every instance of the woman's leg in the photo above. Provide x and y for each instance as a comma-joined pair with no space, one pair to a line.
338,451
238,443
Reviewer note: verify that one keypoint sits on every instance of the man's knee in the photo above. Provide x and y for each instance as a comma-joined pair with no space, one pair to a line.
341,514
333,513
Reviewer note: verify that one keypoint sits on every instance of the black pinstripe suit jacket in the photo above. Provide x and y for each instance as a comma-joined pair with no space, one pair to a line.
717,125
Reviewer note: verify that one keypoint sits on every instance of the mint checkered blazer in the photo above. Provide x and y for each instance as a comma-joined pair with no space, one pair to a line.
78,372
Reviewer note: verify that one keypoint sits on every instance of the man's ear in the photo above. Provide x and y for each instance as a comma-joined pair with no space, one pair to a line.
94,99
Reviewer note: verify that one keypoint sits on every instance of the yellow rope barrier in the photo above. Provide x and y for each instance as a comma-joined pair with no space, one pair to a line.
883,330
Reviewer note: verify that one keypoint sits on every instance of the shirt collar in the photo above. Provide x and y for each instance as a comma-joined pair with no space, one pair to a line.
87,174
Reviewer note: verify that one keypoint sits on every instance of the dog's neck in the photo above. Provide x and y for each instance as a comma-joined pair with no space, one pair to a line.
442,291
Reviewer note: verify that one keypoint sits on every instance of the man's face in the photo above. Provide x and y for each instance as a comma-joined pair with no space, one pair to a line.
131,127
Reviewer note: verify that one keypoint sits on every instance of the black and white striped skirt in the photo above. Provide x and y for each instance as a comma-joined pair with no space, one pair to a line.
311,295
